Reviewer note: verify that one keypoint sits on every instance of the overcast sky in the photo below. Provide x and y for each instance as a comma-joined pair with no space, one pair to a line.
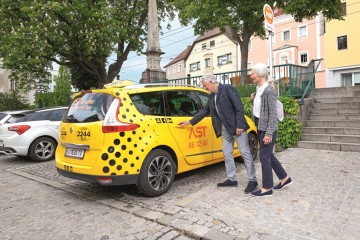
172,42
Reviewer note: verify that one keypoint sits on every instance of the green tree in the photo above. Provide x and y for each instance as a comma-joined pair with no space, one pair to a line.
82,80
62,92
82,33
245,18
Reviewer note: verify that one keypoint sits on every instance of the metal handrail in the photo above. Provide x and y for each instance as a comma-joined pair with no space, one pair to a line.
311,82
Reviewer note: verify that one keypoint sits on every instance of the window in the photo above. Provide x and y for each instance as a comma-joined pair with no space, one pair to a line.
203,46
13,84
174,69
343,9
89,107
150,103
169,71
249,65
57,115
224,59
303,31
357,78
194,66
347,79
303,58
283,59
207,62
249,45
212,43
342,42
286,35
179,68
182,103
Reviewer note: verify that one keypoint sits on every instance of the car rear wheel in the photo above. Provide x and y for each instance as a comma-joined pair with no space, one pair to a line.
42,149
157,173
253,144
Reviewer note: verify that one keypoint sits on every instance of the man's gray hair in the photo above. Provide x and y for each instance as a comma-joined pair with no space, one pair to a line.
208,77
261,69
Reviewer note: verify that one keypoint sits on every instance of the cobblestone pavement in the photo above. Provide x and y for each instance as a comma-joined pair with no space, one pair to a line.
323,203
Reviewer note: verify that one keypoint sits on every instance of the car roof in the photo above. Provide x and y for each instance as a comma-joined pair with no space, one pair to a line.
16,111
141,87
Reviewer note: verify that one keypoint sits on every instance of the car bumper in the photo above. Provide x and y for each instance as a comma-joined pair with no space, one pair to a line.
7,150
115,180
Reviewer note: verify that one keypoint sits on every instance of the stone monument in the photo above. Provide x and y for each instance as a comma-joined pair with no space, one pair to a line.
153,72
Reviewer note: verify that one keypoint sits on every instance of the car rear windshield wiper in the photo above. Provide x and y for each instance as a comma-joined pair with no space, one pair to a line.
70,119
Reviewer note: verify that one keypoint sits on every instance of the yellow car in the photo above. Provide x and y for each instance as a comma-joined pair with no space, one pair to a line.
129,135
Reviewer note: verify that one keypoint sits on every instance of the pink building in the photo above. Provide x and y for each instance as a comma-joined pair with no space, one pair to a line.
293,42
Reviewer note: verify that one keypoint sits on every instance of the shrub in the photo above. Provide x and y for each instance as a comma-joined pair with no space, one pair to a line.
289,132
13,101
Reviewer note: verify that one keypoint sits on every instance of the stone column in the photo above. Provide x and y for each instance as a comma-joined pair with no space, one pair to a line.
153,50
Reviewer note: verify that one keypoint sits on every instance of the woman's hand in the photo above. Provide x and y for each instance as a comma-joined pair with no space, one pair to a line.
267,139
252,97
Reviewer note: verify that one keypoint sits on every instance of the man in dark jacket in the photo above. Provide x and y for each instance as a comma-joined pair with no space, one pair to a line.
228,120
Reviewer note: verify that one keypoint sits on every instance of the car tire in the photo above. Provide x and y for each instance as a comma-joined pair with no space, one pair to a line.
254,145
157,173
42,149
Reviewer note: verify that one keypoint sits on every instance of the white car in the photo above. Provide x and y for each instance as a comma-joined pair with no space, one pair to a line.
35,134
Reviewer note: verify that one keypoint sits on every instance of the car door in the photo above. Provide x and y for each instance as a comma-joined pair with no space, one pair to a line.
195,142
216,141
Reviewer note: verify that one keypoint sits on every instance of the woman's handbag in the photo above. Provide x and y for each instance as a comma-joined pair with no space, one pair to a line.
279,110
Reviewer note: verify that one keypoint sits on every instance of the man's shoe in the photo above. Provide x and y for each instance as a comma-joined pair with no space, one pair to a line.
287,183
228,183
258,193
251,187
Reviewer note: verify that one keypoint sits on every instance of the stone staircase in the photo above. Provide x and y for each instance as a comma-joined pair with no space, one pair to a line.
333,122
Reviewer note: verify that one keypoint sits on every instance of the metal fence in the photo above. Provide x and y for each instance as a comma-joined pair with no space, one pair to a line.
292,80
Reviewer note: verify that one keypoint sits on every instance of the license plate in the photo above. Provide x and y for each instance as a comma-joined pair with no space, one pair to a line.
74,153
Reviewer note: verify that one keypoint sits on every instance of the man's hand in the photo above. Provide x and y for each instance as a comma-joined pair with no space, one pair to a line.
239,131
182,124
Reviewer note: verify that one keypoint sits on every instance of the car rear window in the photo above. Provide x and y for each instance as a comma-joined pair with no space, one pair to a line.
89,107
36,116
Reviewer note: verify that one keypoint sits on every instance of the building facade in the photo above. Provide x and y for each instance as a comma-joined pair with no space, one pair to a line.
7,85
342,48
294,43
176,68
213,52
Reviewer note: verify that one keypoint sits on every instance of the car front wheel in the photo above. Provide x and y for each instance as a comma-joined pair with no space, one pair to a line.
157,173
42,149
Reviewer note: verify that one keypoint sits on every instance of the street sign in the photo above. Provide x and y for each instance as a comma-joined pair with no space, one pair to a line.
269,18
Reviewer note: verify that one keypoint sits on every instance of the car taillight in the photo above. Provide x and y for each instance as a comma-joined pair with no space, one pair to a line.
112,123
19,129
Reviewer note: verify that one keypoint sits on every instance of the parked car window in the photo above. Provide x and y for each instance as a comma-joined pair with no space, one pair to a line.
2,115
89,107
36,116
57,115
150,103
